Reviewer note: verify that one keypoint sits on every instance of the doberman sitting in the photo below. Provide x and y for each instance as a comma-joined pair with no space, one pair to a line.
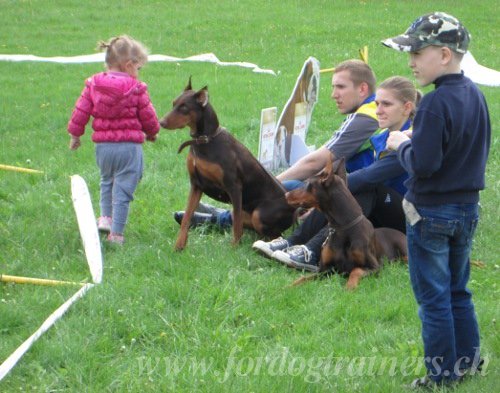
225,170
354,247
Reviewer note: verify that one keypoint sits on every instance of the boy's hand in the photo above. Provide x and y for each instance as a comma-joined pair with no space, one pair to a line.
408,133
151,138
74,143
395,139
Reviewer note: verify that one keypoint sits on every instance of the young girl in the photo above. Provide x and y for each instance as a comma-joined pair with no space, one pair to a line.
123,117
378,188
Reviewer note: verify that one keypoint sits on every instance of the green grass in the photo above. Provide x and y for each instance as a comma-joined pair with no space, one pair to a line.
160,317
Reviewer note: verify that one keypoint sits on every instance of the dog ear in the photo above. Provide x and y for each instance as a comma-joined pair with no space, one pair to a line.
339,169
188,87
328,179
327,173
202,96
329,167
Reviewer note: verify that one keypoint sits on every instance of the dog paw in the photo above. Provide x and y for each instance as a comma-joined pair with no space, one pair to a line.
179,245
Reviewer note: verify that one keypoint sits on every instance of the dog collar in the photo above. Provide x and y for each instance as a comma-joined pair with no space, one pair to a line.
354,222
200,140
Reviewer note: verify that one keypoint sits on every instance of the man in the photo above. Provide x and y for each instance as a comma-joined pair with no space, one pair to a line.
353,88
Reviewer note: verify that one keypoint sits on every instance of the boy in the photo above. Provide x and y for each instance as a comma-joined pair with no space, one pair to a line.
446,161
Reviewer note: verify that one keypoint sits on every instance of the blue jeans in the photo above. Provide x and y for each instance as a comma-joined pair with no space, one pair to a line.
438,257
121,167
225,219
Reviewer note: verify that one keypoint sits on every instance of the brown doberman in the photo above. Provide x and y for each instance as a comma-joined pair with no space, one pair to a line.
225,170
354,247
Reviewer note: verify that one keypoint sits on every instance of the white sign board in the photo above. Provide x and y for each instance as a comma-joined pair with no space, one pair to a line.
267,135
293,121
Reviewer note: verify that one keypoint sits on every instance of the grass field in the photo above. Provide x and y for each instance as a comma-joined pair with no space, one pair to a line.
214,318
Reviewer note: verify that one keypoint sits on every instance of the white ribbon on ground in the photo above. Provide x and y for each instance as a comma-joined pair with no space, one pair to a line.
90,237
99,58
12,360
472,69
479,73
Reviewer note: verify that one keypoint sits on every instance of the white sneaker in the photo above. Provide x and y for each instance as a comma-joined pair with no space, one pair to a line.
104,224
268,248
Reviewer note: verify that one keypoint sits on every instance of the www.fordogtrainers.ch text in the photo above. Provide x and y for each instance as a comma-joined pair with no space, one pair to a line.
284,363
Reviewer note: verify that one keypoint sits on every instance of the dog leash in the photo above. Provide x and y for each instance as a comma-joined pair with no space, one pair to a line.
331,231
200,140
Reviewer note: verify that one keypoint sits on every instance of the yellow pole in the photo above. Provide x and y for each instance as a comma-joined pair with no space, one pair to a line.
18,169
363,54
478,264
36,281
327,70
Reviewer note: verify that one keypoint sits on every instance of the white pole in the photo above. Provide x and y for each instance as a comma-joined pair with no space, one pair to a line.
87,225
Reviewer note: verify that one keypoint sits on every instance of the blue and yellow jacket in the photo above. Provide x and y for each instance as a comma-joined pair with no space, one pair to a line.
386,168
364,155
379,142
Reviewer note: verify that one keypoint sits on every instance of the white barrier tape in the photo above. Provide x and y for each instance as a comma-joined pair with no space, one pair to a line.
99,58
479,73
90,238
12,360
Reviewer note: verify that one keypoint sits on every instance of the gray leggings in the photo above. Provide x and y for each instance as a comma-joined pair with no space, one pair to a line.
121,166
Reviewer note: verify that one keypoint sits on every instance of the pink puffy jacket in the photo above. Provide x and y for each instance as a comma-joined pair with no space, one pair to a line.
120,106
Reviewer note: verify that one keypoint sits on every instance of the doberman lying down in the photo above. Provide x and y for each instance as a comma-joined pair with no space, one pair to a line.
354,247
225,170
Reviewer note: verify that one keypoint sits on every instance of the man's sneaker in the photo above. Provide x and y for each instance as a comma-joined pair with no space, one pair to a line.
209,209
268,248
197,219
115,238
298,257
104,224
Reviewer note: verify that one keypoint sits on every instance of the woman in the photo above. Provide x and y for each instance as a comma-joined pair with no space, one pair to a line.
378,188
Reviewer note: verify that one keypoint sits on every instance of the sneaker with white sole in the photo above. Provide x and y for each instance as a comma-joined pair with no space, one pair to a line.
104,224
197,218
298,257
268,248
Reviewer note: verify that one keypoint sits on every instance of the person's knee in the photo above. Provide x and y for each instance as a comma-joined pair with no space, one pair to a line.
224,219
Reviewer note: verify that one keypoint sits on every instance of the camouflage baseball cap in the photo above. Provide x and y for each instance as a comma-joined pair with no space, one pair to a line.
437,28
